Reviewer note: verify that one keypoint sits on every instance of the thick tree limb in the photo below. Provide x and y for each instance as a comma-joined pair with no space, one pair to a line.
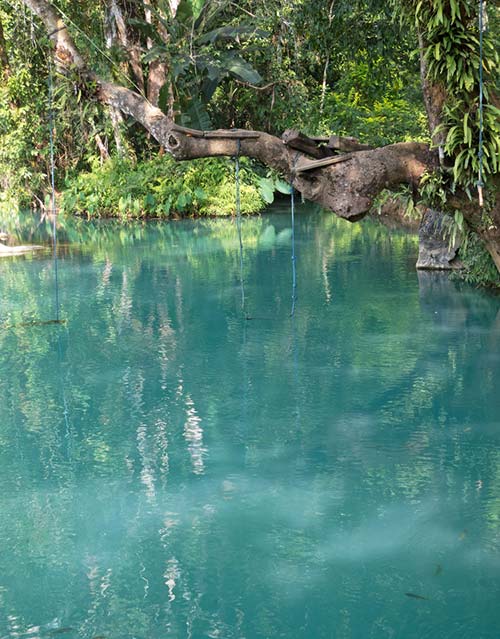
348,188
322,147
66,54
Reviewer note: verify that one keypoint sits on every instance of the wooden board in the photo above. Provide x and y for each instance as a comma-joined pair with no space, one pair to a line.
236,134
296,140
310,165
240,134
346,144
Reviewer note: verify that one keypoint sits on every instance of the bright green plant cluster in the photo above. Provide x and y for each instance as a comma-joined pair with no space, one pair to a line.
451,36
161,187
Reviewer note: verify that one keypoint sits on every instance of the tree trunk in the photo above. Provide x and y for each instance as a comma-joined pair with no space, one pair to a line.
118,33
4,59
434,99
158,69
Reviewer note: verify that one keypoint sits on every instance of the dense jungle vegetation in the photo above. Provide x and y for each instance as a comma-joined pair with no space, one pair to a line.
380,71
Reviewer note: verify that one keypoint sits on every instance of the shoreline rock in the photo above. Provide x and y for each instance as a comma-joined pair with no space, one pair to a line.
434,249
10,251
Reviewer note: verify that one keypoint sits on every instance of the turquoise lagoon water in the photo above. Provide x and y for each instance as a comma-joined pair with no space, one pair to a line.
171,469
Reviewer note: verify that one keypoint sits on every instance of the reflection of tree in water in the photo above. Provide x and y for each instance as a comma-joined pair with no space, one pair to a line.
170,468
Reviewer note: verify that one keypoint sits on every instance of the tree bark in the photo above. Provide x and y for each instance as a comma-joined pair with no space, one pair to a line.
4,58
65,52
158,69
434,98
119,34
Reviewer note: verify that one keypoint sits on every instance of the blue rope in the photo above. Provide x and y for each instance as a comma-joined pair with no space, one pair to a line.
53,189
238,220
294,302
294,257
54,244
480,182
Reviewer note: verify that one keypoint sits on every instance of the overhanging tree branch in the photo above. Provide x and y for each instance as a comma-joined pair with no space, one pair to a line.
348,188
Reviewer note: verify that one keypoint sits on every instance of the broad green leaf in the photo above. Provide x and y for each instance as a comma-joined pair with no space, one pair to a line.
158,51
282,187
197,8
230,33
466,127
180,66
266,188
184,11
241,69
146,27
198,116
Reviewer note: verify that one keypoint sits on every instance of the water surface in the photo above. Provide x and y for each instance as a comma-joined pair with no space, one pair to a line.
169,468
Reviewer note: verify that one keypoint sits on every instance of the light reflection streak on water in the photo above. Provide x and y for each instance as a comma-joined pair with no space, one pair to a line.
147,472
193,434
161,440
171,575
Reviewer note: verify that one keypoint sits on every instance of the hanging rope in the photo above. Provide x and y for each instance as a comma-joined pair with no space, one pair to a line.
53,190
53,207
238,222
480,182
294,257
296,385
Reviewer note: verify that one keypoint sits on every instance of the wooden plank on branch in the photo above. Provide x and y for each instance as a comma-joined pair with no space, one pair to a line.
300,142
194,133
346,144
309,165
238,134
234,134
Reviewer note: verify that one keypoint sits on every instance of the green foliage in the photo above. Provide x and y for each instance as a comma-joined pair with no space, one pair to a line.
270,184
450,32
343,69
478,266
23,120
201,49
393,118
403,198
160,188
434,190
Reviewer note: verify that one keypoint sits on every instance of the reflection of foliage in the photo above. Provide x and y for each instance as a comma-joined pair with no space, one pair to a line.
360,390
